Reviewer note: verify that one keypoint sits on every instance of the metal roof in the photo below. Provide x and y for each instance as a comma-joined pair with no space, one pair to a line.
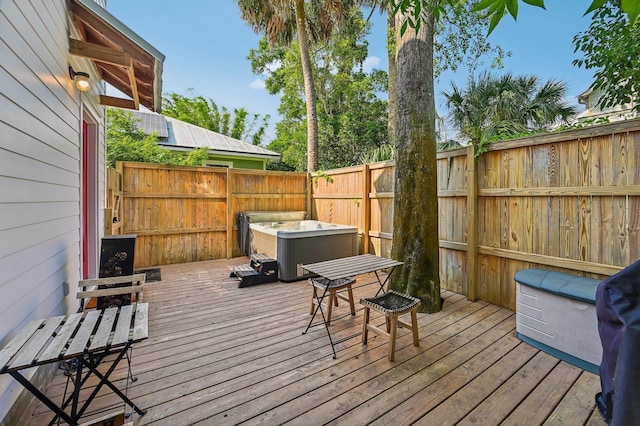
181,135
150,123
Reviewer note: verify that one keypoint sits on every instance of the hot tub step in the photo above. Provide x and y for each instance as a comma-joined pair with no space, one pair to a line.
242,271
261,270
264,264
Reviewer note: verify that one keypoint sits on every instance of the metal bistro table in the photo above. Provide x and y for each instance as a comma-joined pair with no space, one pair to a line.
87,337
343,268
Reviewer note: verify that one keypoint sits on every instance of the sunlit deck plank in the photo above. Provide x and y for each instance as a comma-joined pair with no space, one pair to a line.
217,354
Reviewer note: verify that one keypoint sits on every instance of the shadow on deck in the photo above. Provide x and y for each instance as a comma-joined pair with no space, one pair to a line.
218,355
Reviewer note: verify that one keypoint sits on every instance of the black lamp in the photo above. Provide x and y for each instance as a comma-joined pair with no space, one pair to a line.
80,78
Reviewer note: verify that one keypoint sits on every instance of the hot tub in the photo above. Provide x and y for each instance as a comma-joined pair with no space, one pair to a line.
295,243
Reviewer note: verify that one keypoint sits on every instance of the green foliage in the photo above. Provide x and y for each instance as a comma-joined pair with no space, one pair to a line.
611,45
417,12
461,40
630,7
205,113
279,166
321,174
126,142
384,152
291,143
494,108
448,145
311,22
494,10
585,123
351,117
196,157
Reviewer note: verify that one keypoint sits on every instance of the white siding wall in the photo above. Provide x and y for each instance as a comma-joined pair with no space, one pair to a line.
615,113
40,132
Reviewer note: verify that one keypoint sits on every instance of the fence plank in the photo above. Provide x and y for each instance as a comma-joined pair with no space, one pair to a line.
568,201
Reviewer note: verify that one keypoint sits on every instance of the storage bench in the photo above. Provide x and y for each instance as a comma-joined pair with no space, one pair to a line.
556,313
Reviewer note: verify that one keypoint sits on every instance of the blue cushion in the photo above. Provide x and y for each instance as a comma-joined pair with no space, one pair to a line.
567,285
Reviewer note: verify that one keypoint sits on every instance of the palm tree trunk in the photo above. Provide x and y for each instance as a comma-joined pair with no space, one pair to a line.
393,79
309,89
415,222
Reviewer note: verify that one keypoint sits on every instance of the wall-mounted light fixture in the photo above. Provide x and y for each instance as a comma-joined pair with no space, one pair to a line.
80,78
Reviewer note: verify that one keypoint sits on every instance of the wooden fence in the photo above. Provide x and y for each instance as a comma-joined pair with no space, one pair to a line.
113,211
360,196
568,201
187,214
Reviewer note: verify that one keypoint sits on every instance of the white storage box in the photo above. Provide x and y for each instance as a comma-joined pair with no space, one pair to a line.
556,312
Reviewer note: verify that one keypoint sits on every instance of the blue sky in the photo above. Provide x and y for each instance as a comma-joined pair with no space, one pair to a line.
206,44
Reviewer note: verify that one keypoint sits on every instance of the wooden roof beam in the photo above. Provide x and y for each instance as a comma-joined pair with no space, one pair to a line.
99,53
107,55
134,86
118,102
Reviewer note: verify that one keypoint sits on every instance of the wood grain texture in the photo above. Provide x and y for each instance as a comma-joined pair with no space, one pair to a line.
569,200
219,354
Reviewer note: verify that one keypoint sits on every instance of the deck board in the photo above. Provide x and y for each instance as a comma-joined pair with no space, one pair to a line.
219,355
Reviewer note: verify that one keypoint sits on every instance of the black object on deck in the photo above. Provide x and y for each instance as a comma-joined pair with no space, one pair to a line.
618,311
261,270
244,234
116,259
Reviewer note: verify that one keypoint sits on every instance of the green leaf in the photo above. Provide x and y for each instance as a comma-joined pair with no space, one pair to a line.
512,6
538,3
403,28
484,4
495,20
436,13
597,4
632,8
497,9
396,6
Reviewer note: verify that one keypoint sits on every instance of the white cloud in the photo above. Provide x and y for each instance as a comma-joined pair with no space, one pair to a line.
257,84
370,63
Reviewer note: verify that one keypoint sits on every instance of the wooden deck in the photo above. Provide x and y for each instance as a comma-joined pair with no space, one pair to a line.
219,355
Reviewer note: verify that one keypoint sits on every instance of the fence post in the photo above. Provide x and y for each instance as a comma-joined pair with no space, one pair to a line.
120,209
366,207
472,225
230,215
309,198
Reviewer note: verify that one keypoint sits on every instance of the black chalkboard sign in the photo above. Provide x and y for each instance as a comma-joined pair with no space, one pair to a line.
116,259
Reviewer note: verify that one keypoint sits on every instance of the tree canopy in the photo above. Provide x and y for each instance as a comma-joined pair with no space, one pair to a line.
611,45
207,114
416,11
127,142
310,21
494,107
351,114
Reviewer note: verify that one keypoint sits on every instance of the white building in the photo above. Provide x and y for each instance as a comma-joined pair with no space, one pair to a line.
52,155
593,113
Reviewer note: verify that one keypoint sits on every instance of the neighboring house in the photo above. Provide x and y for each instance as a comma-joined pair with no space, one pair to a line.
224,151
590,99
53,156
